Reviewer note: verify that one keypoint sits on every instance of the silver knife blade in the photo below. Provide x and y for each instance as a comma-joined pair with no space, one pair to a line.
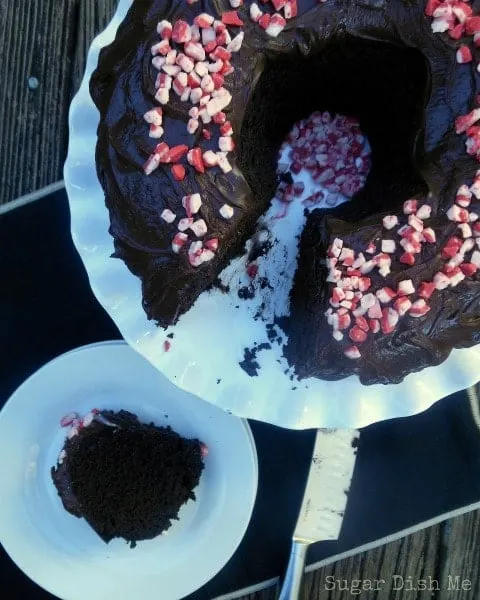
328,483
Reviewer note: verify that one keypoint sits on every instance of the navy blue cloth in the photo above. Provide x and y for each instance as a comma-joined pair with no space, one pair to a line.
407,470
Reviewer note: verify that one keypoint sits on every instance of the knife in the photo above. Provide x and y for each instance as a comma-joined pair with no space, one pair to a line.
324,500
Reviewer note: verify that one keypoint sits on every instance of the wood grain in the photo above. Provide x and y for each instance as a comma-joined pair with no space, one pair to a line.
267,594
414,556
46,39
461,558
445,556
93,16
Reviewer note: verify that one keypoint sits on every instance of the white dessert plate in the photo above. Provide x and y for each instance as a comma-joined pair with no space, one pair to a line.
61,552
210,340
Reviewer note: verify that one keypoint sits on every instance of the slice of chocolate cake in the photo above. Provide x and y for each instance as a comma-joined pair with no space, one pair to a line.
125,478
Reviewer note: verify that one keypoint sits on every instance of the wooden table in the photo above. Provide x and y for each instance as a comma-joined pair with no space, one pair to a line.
43,46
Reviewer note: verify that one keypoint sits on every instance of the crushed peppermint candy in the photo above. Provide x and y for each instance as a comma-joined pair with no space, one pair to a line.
226,211
456,18
386,306
192,60
68,419
273,22
168,216
75,424
333,150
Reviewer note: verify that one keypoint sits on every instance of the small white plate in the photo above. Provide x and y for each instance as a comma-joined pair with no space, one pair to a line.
62,553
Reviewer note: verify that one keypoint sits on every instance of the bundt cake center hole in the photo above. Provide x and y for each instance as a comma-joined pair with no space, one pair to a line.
382,85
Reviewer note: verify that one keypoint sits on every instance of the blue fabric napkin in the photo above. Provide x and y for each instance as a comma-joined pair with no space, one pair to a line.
408,471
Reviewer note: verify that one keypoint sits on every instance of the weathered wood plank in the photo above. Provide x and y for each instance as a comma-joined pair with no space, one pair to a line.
412,557
443,553
36,40
461,558
46,39
93,16
268,594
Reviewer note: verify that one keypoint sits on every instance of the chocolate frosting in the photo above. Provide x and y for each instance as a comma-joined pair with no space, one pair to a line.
123,90
416,343
440,156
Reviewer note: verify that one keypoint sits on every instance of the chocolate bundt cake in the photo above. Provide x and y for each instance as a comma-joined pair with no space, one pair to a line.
127,479
195,100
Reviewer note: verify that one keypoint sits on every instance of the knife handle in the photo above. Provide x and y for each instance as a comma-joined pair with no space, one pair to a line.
294,575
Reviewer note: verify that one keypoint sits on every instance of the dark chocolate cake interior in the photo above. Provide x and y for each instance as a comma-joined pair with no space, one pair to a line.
129,480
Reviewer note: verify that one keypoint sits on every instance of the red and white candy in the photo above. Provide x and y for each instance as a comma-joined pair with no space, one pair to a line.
226,211
168,216
192,204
